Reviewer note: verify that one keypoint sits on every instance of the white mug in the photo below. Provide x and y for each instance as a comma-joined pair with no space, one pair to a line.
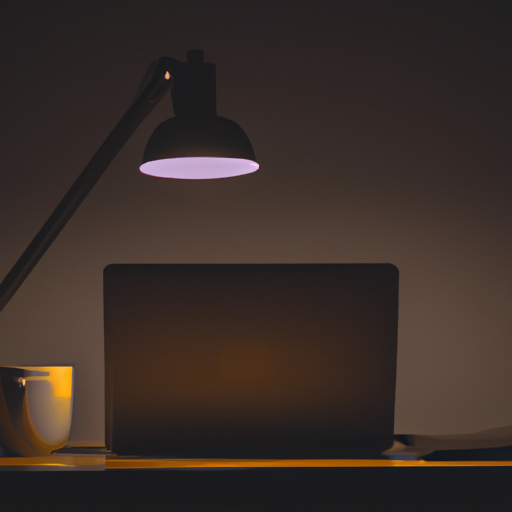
36,405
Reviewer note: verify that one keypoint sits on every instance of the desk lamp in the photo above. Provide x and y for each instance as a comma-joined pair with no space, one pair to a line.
195,144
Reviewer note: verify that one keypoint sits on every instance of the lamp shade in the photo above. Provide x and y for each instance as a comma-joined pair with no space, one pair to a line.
198,147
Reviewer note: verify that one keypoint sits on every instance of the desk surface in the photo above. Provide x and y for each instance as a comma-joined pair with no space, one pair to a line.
102,462
250,486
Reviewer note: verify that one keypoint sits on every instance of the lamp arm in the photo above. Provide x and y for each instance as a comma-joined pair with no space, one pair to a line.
159,80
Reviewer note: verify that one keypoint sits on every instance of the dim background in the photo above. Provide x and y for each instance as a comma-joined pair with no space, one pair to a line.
383,132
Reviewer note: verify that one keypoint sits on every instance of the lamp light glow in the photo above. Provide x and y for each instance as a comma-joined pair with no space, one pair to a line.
199,168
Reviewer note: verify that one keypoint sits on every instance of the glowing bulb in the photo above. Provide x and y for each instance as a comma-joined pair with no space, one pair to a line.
198,168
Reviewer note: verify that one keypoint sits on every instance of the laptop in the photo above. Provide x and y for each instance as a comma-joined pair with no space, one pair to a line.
250,360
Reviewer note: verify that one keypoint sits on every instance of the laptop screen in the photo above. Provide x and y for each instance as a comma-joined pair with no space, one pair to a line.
250,360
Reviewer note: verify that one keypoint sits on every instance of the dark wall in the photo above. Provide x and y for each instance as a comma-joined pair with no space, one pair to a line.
383,133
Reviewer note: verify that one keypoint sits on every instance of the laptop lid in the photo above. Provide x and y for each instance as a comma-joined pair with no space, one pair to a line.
250,360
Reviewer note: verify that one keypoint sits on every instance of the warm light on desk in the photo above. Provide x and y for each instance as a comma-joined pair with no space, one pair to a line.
119,463
115,463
